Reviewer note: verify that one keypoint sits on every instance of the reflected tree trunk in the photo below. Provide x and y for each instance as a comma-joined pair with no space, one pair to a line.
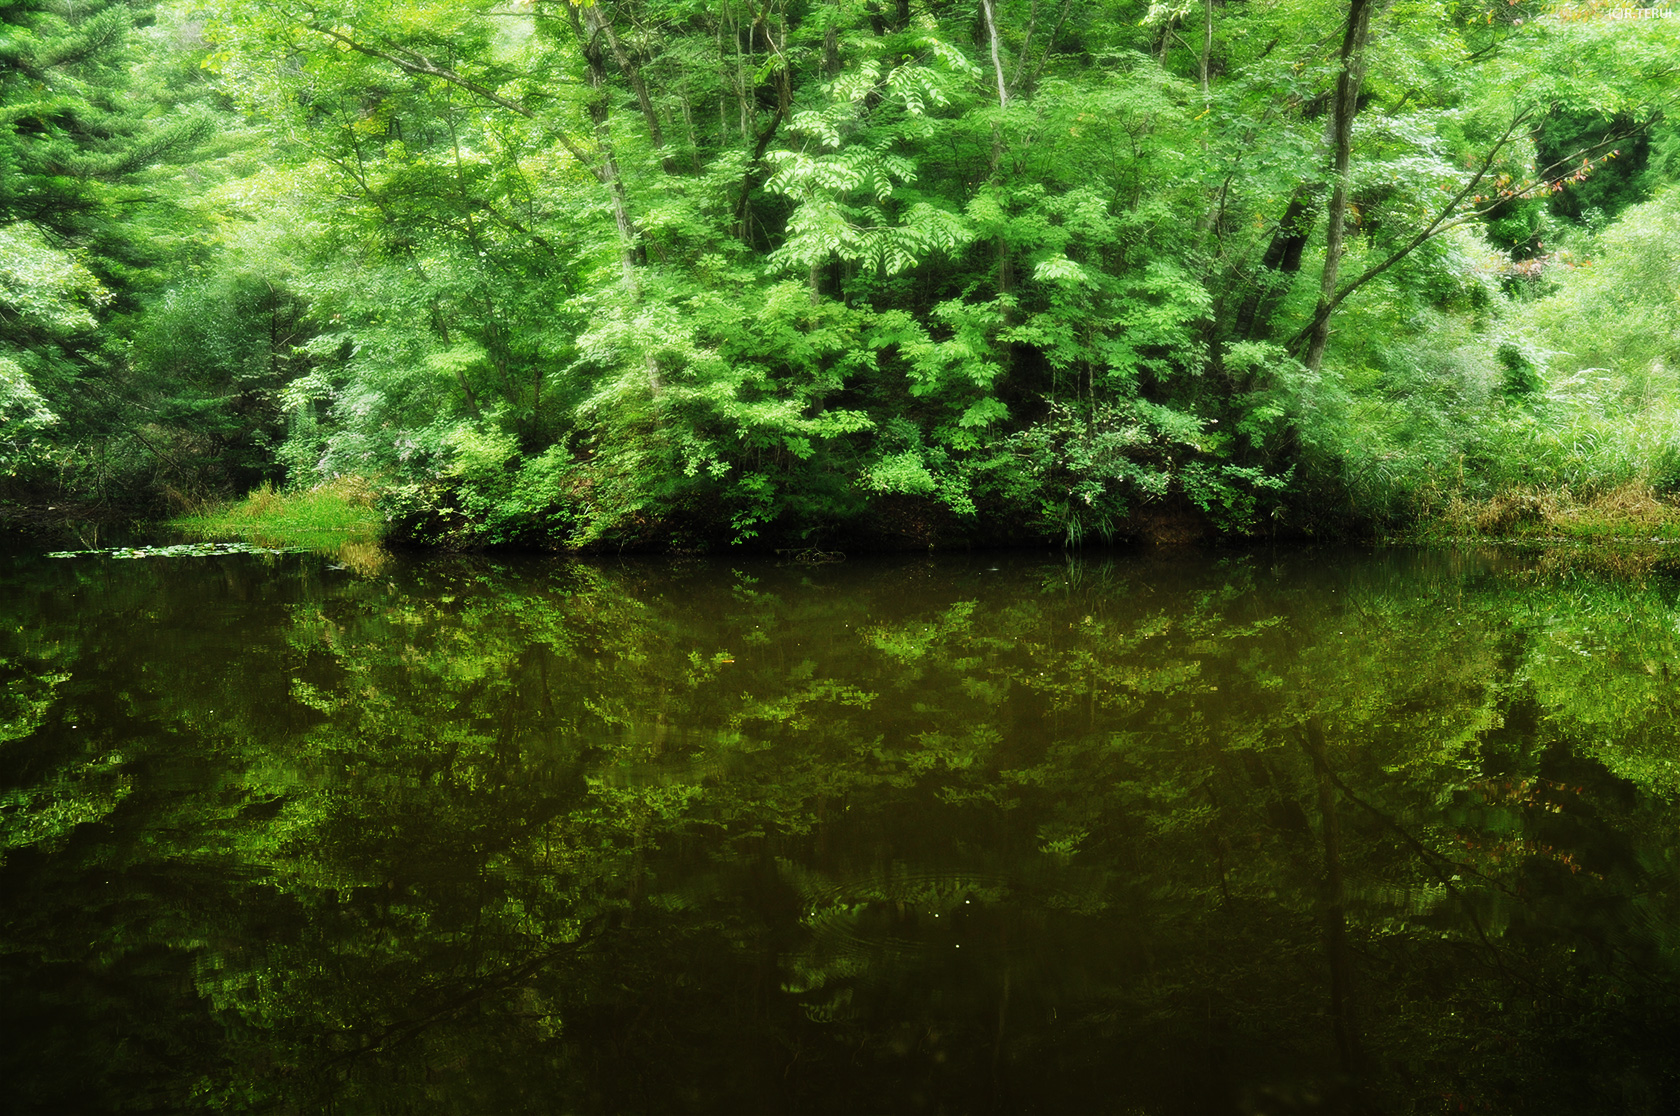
1343,1017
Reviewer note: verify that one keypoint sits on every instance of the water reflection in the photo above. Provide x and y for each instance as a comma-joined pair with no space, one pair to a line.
1286,832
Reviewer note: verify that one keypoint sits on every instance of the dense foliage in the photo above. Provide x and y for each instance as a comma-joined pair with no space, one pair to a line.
692,271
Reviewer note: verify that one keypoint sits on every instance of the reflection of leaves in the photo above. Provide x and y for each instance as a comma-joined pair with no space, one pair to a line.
26,698
468,811
43,816
1608,667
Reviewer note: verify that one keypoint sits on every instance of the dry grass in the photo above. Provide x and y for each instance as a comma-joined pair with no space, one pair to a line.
1633,510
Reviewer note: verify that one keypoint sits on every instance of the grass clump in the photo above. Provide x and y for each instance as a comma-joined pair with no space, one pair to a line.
1633,511
327,517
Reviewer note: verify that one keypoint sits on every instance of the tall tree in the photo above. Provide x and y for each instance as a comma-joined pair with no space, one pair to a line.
79,136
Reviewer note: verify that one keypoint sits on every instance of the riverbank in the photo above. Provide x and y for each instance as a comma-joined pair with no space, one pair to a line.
86,524
1632,512
349,509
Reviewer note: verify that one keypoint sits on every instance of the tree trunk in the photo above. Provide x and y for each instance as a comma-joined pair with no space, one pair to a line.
598,25
630,256
1348,81
1002,86
1278,266
997,60
1207,45
629,253
831,45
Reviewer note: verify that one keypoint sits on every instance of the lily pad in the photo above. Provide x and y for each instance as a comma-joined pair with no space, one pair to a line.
176,550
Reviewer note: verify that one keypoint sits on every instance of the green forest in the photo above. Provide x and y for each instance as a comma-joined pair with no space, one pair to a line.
692,274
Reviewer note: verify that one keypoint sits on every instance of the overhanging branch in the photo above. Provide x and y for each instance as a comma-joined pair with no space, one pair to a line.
1441,223
413,62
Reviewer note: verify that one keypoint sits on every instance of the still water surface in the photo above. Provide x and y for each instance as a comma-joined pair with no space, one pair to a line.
1298,831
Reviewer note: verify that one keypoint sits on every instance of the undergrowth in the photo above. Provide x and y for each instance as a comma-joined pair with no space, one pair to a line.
1633,511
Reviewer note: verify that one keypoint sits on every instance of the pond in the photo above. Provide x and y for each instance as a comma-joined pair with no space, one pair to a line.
1286,831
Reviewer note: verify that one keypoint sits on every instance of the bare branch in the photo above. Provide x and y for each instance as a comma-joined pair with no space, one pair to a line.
416,63
413,62
1439,225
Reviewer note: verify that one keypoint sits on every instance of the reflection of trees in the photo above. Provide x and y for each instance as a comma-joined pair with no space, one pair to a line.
1093,835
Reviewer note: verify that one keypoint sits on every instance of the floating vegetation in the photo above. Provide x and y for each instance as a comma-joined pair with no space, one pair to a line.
178,550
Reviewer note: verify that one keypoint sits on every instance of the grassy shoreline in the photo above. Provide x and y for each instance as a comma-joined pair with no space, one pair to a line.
324,517
346,510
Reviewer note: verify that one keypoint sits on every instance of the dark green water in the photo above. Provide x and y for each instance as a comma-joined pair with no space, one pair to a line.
1302,831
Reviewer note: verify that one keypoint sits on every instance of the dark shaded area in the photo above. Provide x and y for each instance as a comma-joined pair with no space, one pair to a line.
1561,139
1296,831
